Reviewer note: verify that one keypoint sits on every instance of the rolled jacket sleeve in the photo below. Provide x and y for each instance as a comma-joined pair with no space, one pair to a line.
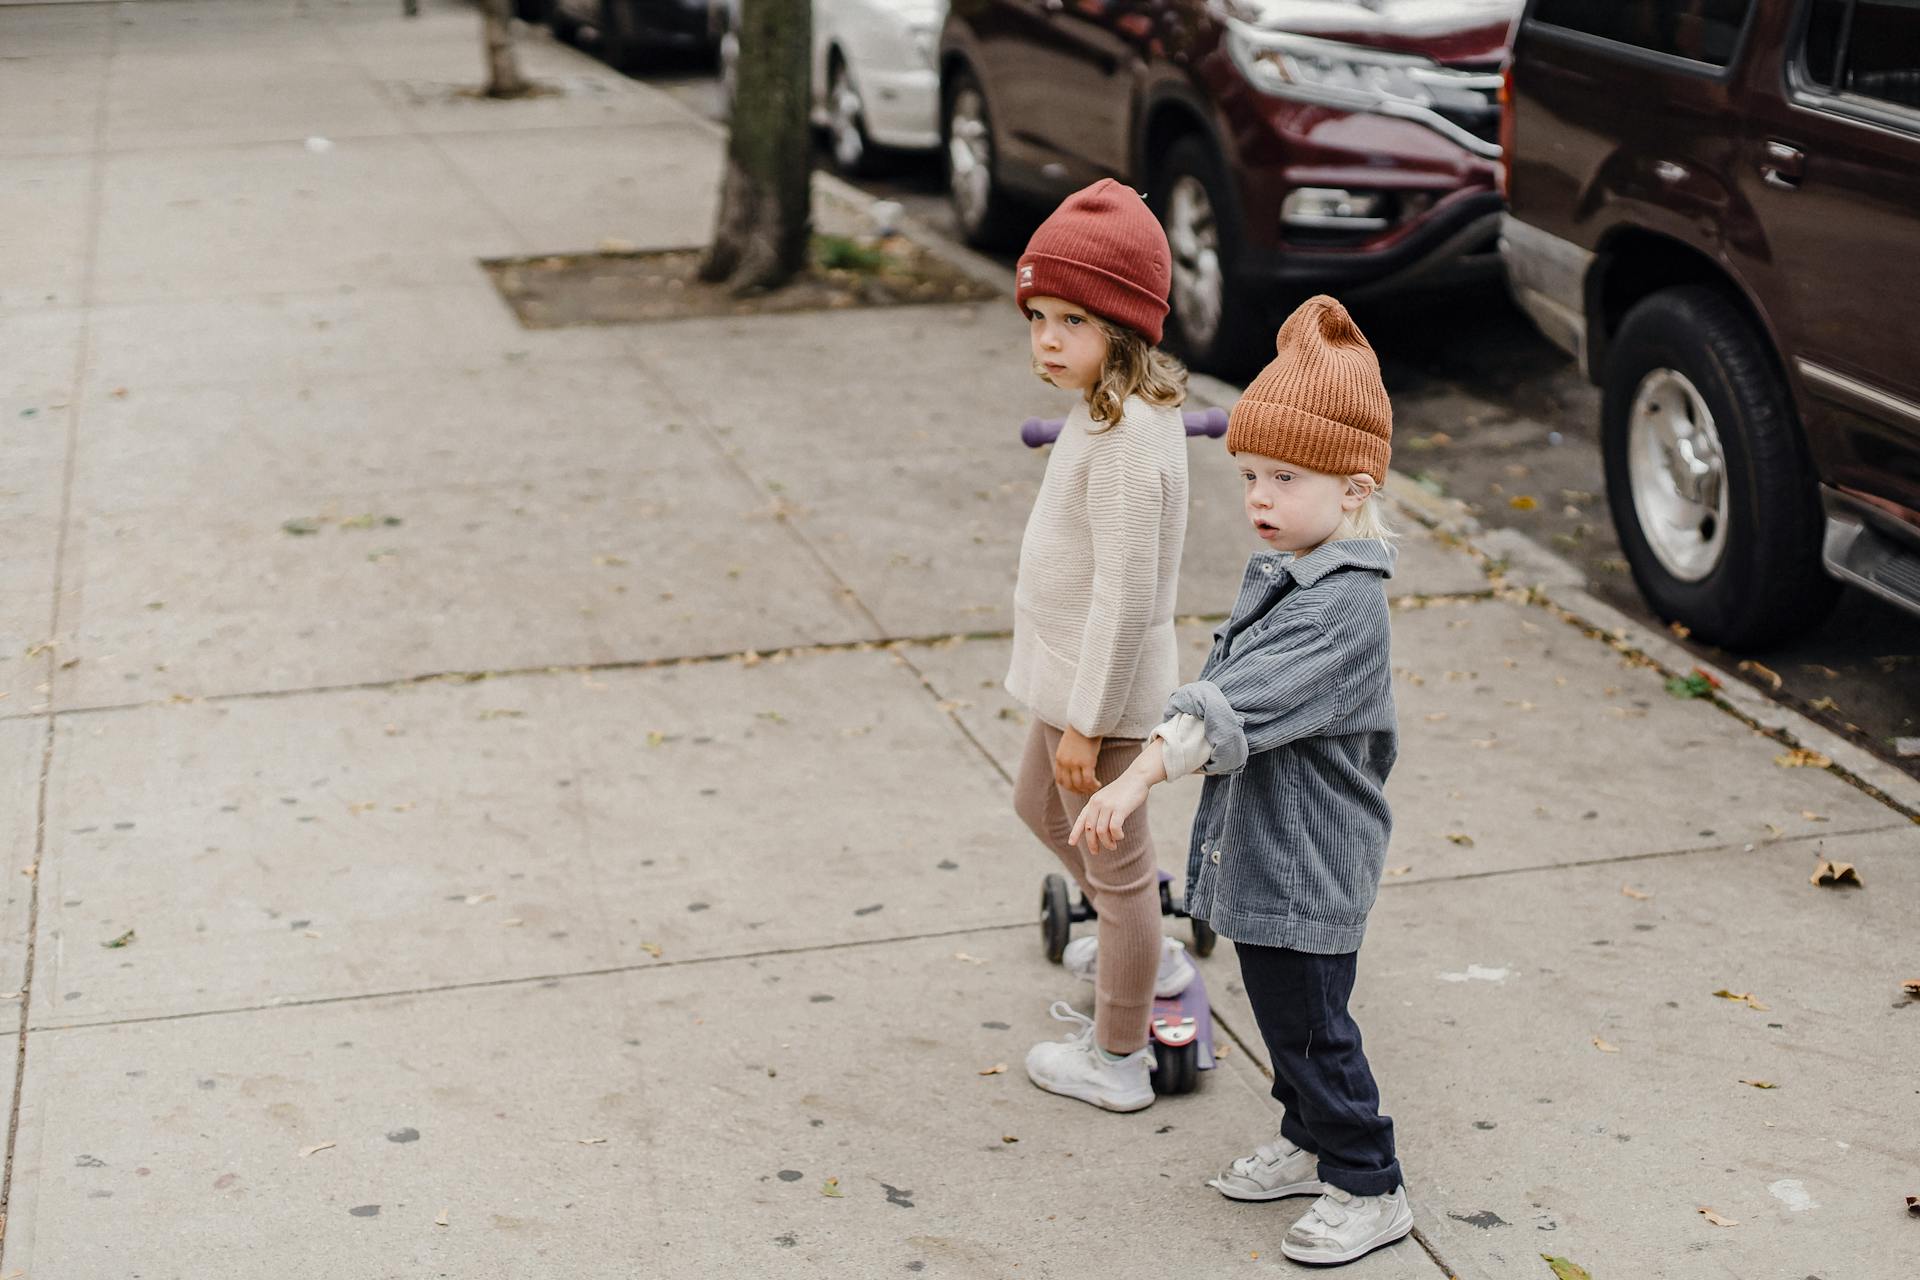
1183,745
1286,686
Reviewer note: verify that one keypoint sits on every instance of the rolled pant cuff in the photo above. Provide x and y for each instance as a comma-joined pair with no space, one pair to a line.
1362,1182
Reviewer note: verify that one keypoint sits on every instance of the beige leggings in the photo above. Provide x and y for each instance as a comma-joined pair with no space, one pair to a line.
1122,885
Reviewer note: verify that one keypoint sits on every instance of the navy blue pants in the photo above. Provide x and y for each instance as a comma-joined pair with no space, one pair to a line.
1319,1073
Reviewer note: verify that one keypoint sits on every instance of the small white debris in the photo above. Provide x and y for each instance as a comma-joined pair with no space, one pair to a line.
318,145
1792,1193
1475,973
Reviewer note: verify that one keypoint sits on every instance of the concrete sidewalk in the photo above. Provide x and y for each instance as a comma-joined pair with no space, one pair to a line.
593,872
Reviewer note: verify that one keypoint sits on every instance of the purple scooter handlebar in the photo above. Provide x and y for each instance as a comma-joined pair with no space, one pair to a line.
1035,432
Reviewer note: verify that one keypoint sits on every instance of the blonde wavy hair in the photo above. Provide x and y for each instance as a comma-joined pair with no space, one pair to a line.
1133,367
1367,520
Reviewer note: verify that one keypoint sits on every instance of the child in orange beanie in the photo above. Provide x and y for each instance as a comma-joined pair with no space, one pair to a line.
1093,643
1292,721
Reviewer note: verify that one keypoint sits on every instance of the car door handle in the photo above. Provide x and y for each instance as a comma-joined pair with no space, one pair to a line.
1782,166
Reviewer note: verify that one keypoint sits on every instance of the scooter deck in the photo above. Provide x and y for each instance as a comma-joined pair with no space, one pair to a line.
1186,1017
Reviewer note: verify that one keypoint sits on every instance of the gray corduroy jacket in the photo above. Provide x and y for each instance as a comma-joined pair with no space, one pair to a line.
1297,700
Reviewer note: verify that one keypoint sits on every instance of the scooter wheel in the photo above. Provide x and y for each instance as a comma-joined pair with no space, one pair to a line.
1178,1070
1203,937
1056,916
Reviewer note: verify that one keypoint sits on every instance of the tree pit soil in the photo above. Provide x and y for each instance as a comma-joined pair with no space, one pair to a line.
557,291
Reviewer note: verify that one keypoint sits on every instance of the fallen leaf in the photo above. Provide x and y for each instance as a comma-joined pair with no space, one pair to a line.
1522,502
1913,1207
1680,629
1566,1270
749,659
1222,1050
300,526
1827,873
501,713
1823,704
590,1142
1715,1218
1634,893
831,1187
514,923
1811,816
475,899
651,948
1695,684
1801,758
1461,838
1771,676
441,1219
1603,1046
318,1146
1435,717
963,956
952,704
1760,1084
1743,997
120,941
1399,871
994,1070
1007,1137
656,738
1911,986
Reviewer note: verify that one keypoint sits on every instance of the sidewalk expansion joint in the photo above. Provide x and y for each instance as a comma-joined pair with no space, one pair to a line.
532,979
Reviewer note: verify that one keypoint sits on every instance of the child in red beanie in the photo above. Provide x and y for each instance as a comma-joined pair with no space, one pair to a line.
1093,644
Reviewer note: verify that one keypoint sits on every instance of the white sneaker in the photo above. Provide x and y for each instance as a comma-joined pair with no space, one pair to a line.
1275,1169
1075,1068
1341,1227
1082,958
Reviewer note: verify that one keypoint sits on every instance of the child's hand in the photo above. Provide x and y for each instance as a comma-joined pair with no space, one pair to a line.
1103,821
1074,762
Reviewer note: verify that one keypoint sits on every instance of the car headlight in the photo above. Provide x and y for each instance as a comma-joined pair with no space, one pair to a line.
1329,72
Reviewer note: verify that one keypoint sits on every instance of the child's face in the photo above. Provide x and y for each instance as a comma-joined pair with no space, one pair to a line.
1292,508
1068,347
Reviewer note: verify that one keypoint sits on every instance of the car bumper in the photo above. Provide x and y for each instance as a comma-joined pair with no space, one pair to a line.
1548,277
902,107
1452,241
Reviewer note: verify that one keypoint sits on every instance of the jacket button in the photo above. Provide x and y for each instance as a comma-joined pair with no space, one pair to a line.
1216,857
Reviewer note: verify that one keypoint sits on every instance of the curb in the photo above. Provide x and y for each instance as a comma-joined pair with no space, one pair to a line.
1509,557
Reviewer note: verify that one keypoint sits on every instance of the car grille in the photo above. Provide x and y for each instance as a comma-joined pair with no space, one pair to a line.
1469,96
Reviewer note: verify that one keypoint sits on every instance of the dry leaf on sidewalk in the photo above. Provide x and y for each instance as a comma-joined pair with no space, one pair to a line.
1802,758
318,1146
1008,1138
1461,838
1715,1218
831,1187
440,1220
1744,997
1564,1269
120,941
1760,1084
1765,673
1398,871
591,1142
1603,1046
1634,893
1913,1205
1911,986
963,956
651,948
994,1070
1835,873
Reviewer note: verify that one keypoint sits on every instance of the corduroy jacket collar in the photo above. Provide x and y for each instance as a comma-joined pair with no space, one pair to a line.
1346,553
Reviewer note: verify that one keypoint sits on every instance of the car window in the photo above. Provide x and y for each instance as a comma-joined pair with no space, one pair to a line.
1698,30
1870,48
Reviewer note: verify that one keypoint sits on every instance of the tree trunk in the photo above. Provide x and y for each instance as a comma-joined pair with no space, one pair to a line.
496,33
761,236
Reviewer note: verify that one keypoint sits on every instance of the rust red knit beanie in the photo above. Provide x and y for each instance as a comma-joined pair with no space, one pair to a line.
1320,404
1102,249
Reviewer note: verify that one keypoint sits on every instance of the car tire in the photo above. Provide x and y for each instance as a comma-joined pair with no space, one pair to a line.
1216,321
988,217
847,142
620,43
1713,495
533,12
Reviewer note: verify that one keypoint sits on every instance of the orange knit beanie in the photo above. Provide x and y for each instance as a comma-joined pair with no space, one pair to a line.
1320,404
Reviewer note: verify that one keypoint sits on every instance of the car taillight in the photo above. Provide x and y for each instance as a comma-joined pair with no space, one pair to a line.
1506,129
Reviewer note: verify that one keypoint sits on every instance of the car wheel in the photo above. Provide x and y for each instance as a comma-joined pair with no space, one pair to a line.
847,140
533,12
620,41
1215,321
987,217
1712,494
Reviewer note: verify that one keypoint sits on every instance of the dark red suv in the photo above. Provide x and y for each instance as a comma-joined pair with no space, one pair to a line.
1287,147
1716,207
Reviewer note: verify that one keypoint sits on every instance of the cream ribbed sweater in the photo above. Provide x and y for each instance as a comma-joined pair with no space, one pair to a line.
1093,643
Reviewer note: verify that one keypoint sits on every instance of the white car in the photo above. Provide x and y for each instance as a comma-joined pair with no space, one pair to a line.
876,80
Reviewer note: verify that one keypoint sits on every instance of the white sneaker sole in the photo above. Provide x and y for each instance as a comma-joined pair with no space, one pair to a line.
1311,1187
1163,988
1396,1230
1106,1102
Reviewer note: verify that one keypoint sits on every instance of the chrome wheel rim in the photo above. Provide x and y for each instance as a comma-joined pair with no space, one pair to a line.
1678,475
843,120
969,157
1199,284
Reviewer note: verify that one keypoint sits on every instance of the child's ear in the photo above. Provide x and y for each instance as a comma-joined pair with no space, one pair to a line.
1360,487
